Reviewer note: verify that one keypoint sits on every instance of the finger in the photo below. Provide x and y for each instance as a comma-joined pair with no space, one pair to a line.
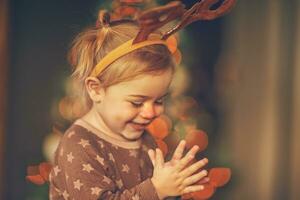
194,178
193,150
193,168
151,155
159,159
187,158
179,151
192,188
204,180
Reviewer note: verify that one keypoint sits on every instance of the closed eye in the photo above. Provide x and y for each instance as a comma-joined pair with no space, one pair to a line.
139,104
136,104
159,102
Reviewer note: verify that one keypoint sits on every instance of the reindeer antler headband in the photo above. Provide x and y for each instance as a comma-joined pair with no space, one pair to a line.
153,19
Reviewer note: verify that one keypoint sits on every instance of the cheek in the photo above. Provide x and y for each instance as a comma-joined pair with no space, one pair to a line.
125,113
159,110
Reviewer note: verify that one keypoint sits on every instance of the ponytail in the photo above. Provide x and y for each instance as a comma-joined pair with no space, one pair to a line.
86,47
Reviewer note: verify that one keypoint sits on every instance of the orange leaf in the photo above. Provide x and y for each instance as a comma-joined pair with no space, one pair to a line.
162,146
36,179
196,137
172,44
219,176
33,170
186,107
159,128
177,56
206,193
126,11
45,169
115,16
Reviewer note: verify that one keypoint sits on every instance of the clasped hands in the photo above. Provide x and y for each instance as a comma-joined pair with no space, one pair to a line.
176,177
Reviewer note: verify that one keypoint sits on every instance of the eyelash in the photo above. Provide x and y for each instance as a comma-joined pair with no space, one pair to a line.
139,104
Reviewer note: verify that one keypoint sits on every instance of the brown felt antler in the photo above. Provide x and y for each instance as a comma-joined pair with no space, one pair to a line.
155,18
202,11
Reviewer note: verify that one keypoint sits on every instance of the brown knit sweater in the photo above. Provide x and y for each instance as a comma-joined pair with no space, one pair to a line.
91,165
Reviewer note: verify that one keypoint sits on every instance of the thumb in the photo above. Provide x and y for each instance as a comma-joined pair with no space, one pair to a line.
152,156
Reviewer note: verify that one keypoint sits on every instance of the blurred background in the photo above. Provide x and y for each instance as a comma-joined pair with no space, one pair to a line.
242,70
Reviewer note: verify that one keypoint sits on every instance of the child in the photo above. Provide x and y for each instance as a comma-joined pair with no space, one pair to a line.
107,154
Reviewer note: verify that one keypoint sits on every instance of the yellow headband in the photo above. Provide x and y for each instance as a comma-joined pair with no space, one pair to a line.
122,50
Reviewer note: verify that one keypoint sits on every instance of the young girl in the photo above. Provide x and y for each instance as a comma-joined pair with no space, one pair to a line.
107,154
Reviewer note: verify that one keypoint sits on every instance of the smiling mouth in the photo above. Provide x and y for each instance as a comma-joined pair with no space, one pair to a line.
139,126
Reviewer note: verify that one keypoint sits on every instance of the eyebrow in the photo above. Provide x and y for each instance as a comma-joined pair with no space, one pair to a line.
146,97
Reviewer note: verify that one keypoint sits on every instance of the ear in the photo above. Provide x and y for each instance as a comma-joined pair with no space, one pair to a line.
94,89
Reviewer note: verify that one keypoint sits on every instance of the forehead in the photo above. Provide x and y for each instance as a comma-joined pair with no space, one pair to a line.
146,85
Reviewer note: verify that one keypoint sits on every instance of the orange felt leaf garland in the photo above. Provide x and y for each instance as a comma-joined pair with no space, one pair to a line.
196,137
45,169
219,176
172,44
34,175
162,146
125,11
160,127
177,56
39,174
36,179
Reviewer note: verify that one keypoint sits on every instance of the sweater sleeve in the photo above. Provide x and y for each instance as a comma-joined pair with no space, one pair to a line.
81,172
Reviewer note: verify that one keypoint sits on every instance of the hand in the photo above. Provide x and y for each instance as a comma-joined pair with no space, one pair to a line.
174,178
178,155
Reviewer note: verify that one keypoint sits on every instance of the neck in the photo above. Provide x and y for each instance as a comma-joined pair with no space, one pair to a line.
95,119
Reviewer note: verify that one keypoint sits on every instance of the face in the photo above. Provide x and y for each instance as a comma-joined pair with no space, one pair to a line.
128,107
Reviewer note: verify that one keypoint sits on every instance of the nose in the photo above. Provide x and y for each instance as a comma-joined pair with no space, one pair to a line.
148,111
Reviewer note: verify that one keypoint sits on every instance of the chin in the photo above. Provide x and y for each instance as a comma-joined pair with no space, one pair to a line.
133,135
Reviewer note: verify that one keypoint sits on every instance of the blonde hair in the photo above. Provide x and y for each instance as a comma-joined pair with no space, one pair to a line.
90,46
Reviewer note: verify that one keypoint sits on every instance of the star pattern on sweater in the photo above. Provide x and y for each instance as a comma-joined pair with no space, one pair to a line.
145,148
100,160
111,157
96,191
133,153
84,143
70,157
106,180
136,197
101,144
77,184
65,195
56,170
87,167
119,183
125,168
